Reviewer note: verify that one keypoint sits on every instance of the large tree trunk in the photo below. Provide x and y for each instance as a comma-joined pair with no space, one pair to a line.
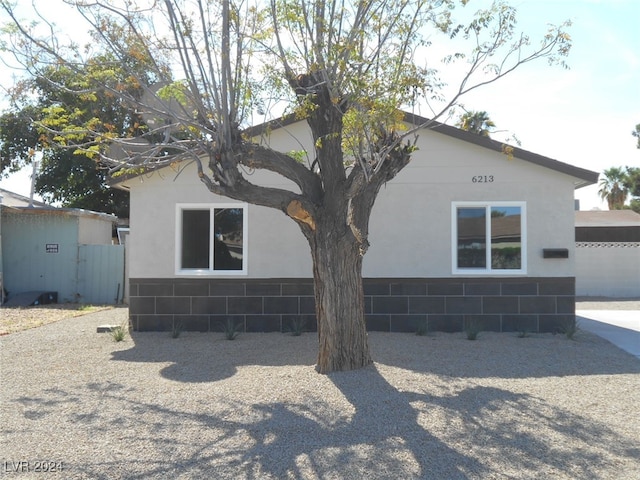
326,220
337,272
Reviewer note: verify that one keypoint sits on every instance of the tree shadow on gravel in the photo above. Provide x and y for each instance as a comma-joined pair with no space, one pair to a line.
381,432
432,421
204,412
208,357
451,354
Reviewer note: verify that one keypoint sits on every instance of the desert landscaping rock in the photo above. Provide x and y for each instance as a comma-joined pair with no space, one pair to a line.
199,406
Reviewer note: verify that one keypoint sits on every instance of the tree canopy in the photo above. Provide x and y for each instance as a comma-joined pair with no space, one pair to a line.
632,184
239,58
64,116
477,122
613,189
618,184
346,67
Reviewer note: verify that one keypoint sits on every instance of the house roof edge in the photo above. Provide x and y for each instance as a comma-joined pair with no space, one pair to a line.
584,176
73,212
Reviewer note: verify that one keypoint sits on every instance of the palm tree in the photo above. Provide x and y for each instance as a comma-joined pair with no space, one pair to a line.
613,187
476,122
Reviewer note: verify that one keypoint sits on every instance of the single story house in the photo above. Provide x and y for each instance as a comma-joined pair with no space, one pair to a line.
65,252
608,253
469,230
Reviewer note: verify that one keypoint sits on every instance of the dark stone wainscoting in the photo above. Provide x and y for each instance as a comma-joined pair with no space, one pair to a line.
544,304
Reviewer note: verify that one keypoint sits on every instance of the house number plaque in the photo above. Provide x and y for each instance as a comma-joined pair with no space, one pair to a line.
482,179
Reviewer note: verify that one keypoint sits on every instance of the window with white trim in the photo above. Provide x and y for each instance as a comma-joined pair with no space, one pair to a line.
489,238
211,239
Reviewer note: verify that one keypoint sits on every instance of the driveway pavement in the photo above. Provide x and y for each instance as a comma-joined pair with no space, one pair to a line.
620,327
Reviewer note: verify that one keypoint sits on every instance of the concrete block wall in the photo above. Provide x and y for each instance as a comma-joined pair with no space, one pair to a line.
506,304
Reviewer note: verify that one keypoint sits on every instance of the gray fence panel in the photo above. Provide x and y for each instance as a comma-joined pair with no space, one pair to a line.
101,274
608,269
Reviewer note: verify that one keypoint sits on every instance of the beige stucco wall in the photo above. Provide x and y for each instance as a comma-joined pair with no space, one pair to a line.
410,230
94,231
412,216
276,245
608,269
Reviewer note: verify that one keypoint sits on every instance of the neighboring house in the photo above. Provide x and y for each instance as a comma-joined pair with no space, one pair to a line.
65,251
429,259
11,199
608,253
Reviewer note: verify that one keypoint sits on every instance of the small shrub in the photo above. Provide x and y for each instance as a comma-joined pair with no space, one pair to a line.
231,329
423,328
472,328
119,333
570,328
176,330
297,327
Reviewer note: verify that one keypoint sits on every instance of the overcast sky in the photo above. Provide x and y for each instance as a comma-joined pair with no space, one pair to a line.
582,116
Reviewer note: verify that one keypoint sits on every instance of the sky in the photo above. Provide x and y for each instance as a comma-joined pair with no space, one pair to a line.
582,116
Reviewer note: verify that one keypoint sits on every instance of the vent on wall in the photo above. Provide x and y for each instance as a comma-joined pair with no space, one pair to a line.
555,253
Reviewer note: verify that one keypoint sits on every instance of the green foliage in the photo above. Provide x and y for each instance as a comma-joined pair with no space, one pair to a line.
612,187
176,330
632,181
177,91
365,59
300,156
422,328
18,137
570,328
477,122
636,133
230,328
129,171
119,333
297,326
472,328
66,115
617,184
79,182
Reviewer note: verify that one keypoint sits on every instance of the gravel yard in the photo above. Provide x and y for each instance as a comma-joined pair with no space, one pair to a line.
16,319
199,406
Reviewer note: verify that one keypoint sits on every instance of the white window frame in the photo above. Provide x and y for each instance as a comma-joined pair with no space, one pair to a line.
123,235
488,271
180,207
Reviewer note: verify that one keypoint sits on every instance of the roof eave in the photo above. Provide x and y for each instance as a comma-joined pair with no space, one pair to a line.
583,176
72,212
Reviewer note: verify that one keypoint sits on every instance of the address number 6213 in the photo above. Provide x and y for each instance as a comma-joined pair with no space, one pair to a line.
482,179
